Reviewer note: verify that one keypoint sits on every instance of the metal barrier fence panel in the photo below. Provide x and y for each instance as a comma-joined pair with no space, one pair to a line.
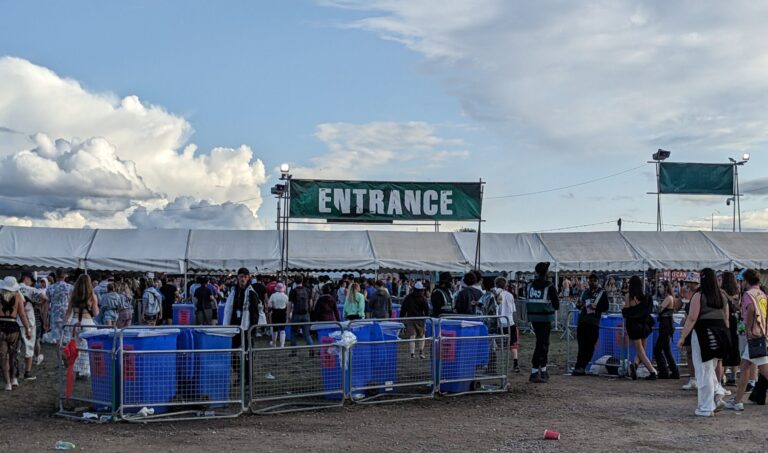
86,374
300,375
180,372
473,354
392,360
613,341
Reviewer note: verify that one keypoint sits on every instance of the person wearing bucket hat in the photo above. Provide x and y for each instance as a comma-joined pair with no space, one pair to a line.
11,307
277,307
541,306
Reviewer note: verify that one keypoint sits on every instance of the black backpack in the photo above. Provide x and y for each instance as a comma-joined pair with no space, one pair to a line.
301,306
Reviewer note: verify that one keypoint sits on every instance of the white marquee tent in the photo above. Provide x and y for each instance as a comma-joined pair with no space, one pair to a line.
179,250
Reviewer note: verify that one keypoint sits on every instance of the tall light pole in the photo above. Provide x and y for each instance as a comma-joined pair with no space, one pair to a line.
736,194
658,157
285,175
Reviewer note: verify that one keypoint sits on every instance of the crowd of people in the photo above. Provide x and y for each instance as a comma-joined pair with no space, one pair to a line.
724,333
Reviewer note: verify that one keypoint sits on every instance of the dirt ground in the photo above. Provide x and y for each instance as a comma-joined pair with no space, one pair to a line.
591,413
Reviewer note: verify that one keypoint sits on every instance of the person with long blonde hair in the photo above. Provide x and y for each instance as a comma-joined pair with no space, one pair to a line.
354,307
83,308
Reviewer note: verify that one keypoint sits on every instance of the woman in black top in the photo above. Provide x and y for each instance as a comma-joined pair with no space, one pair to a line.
661,350
639,325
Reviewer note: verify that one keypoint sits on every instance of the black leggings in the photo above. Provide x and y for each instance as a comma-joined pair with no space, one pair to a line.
662,350
540,353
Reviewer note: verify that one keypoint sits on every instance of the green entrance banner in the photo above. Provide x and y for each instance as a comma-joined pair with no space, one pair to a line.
696,179
383,201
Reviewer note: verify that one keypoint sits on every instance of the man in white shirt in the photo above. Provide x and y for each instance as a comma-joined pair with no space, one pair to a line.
506,303
34,301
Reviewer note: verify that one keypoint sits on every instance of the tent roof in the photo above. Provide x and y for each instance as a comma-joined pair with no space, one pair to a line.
746,249
233,249
44,247
406,250
602,250
682,250
330,250
139,250
517,252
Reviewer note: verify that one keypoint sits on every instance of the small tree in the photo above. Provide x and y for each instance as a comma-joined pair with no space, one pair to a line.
466,230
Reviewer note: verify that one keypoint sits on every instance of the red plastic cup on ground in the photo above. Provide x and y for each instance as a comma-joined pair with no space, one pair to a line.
551,435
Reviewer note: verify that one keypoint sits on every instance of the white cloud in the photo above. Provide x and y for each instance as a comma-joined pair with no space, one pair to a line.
356,151
185,212
99,156
594,75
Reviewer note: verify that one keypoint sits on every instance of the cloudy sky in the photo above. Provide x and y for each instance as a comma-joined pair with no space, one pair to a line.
159,114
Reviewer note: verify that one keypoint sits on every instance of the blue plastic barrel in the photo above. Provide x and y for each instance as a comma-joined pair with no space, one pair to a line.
384,355
360,370
396,310
213,370
330,360
185,364
459,359
184,314
102,365
149,379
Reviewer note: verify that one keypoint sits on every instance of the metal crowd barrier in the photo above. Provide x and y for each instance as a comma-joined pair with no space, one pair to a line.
396,366
86,380
195,374
296,378
164,373
151,373
473,354
613,341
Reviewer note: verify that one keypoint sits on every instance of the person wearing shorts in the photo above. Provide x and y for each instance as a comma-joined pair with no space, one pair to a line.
754,306
415,306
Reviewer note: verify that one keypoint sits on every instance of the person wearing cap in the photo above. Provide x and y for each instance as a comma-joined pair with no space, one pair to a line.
541,306
379,304
441,298
592,303
35,305
415,306
11,308
277,308
241,309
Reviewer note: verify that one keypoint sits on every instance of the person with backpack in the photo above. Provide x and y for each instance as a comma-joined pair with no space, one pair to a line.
300,307
152,303
468,298
379,304
441,298
541,305
415,306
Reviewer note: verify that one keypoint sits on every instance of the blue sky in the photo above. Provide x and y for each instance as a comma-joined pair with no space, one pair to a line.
528,96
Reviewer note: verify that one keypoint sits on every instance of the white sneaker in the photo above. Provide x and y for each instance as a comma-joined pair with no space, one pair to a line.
8,387
727,392
691,385
15,382
719,404
269,376
39,359
699,413
734,406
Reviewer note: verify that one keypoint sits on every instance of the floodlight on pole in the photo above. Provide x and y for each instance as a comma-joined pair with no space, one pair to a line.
658,156
745,157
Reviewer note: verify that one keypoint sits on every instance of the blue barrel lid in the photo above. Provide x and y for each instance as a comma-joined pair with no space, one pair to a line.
392,324
90,333
327,326
221,331
460,322
183,305
143,333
